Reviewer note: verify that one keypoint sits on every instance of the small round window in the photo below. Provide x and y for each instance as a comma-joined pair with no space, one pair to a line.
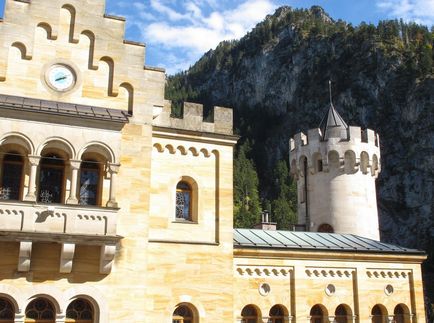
330,289
388,290
264,289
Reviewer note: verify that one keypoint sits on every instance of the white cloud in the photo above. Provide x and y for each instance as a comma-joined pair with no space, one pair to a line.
183,30
420,11
205,32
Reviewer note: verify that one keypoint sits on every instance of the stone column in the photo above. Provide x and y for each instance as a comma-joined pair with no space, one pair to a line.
19,318
75,167
113,170
31,191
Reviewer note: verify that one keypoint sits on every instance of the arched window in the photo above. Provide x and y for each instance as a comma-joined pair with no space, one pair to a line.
249,314
90,183
318,314
401,314
343,314
79,311
325,227
277,314
182,314
12,176
184,201
379,314
51,179
40,310
7,312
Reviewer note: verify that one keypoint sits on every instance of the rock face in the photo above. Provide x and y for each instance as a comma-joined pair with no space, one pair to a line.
276,80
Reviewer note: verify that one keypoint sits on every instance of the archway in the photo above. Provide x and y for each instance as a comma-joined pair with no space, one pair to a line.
318,314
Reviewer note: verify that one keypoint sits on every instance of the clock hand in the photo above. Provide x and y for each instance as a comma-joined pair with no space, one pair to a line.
61,78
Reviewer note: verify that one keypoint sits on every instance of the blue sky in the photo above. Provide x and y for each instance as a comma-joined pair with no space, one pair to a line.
178,33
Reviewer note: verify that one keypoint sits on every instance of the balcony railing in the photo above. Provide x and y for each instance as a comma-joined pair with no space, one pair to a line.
69,225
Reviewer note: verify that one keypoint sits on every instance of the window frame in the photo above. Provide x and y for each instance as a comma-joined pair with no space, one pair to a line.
22,175
64,176
192,197
99,187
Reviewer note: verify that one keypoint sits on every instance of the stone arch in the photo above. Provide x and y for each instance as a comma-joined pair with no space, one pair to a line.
12,295
317,162
189,306
378,313
278,311
53,296
318,313
100,148
23,50
93,296
303,164
72,15
21,140
130,93
350,162
401,313
111,68
343,314
251,311
333,159
364,162
48,29
91,36
375,165
57,143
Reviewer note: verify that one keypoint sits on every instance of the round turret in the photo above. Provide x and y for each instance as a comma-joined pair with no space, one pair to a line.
336,167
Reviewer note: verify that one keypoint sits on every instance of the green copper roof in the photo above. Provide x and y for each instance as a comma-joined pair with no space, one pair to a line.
266,239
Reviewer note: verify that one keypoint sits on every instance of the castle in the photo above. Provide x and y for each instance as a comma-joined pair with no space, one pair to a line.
113,211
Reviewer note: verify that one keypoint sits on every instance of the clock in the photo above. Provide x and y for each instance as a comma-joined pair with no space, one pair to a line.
61,77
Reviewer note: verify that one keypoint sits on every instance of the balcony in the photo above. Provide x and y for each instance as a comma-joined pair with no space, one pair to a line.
28,222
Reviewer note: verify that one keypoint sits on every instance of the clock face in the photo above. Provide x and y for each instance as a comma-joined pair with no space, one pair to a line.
61,78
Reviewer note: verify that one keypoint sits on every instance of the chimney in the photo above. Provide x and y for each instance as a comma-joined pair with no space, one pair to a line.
266,223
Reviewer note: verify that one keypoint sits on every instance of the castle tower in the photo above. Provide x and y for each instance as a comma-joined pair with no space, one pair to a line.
336,167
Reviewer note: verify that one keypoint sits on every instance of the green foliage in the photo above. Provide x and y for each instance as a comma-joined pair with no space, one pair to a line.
283,194
247,208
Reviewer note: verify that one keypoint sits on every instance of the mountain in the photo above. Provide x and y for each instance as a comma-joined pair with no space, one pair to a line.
276,79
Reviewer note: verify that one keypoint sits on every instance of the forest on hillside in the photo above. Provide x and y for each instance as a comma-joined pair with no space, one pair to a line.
276,80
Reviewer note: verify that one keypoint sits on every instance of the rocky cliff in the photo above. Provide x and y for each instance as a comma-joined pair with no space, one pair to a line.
276,80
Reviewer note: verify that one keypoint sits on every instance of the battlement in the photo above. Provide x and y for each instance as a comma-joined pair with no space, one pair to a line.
353,134
353,150
192,119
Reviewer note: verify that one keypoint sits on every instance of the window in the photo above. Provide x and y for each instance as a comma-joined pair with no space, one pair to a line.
12,176
183,201
182,314
51,179
7,312
379,314
79,311
90,175
277,314
40,310
401,314
249,314
318,314
343,314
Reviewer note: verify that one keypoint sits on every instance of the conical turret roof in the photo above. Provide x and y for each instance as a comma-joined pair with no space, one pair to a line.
332,124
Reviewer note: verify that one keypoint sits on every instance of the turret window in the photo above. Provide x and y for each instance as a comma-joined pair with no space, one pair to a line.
79,311
183,201
7,311
40,311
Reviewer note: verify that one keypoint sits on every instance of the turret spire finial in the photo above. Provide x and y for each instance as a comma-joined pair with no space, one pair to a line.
330,92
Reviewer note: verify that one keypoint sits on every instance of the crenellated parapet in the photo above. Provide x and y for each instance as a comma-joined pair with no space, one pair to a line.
192,119
349,151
